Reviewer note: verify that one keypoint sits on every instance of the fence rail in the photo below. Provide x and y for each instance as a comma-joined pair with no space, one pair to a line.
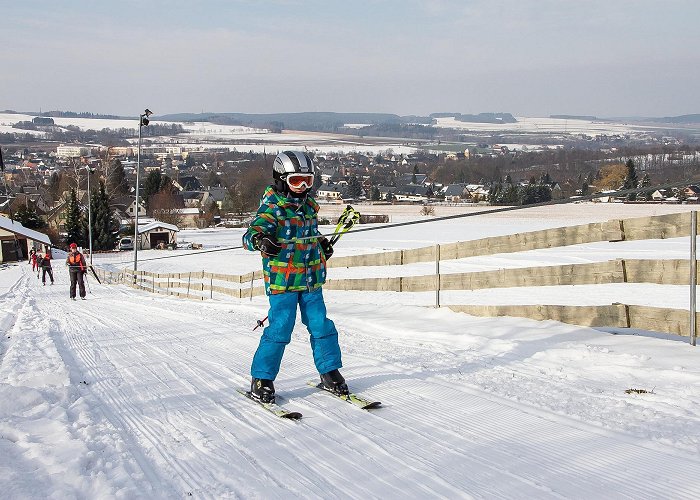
203,285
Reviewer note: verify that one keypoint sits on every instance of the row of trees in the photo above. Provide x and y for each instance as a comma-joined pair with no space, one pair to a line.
508,193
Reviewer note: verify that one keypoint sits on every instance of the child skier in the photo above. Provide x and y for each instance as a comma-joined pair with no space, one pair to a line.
294,273
33,261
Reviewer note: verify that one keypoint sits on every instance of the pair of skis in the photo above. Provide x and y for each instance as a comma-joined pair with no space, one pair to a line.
282,412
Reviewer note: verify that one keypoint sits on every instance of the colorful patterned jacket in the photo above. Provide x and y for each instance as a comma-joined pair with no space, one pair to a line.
300,266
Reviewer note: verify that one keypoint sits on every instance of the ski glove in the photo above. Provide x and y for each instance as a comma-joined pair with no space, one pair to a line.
326,246
267,244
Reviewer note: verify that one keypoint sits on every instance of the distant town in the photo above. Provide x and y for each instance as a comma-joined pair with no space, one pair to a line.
189,181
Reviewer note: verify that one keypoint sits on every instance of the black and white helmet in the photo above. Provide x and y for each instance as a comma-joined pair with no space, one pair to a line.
290,162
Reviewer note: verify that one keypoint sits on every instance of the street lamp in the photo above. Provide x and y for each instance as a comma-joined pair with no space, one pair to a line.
89,171
143,121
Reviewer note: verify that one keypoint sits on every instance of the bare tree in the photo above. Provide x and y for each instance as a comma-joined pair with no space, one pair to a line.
165,207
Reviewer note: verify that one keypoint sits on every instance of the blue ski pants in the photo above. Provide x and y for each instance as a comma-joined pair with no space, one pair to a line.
282,316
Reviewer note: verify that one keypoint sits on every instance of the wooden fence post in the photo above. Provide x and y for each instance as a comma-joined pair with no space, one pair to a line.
693,274
437,276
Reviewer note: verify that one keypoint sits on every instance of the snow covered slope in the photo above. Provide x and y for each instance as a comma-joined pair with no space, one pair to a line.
130,395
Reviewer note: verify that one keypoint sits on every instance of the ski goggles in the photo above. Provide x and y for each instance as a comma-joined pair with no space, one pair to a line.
300,181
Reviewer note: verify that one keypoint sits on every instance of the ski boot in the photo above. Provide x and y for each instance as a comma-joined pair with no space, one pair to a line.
262,389
334,382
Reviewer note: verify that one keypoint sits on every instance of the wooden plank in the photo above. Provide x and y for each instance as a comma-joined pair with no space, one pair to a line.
418,283
657,227
424,254
613,315
568,274
365,284
374,259
656,319
662,272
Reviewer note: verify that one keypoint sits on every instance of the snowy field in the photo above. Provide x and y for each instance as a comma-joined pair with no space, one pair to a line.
526,124
207,135
133,395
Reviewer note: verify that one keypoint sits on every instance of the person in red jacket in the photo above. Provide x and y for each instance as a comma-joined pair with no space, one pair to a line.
45,265
76,268
32,258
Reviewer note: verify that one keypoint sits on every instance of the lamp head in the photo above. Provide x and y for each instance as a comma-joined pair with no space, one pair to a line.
143,121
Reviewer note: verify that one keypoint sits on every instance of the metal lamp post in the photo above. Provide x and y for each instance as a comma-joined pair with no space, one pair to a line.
89,171
143,121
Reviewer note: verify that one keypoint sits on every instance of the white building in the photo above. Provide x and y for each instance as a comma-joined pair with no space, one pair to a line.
71,151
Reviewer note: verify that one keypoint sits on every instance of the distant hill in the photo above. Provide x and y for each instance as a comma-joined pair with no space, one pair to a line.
695,118
316,121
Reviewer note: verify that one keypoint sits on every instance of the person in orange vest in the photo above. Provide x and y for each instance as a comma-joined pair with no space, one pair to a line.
45,265
76,268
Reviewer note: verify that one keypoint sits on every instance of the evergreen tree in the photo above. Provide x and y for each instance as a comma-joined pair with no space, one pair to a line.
151,186
28,217
631,180
375,195
646,182
354,187
103,224
584,188
74,227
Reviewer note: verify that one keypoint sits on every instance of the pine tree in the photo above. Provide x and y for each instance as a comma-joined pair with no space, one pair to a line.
631,180
354,187
104,236
28,217
74,227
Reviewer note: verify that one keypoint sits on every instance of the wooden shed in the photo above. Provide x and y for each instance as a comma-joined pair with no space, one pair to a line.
16,240
153,234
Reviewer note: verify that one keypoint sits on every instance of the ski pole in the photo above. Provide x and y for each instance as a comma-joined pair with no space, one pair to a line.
261,322
346,221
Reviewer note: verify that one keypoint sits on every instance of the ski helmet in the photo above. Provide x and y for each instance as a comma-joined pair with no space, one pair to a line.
291,162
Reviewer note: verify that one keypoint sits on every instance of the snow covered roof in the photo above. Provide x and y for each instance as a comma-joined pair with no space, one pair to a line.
16,227
157,225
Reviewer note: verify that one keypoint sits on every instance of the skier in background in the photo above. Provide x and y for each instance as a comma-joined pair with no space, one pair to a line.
32,260
294,273
45,265
76,267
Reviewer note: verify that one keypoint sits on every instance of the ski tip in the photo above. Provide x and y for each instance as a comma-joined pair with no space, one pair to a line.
292,415
373,404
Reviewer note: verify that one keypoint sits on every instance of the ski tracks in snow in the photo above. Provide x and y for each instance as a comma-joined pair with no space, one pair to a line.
156,377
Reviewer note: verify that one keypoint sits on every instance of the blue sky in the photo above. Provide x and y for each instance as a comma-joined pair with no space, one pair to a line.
527,57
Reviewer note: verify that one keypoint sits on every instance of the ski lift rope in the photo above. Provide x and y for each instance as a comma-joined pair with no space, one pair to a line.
564,201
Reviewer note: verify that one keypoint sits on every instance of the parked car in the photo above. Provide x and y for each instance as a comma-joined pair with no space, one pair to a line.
125,244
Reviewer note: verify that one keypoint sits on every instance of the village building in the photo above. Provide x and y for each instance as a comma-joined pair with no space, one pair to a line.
157,235
16,240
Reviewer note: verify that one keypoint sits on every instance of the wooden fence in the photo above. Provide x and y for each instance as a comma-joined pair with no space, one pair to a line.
202,285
